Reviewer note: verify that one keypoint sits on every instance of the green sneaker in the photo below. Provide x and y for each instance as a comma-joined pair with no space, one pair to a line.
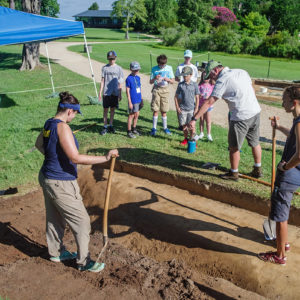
92,267
65,255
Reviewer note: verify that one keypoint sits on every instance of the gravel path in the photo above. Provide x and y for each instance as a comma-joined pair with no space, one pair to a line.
78,63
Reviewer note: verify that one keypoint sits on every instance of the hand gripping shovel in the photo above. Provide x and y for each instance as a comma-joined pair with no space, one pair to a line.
269,225
106,205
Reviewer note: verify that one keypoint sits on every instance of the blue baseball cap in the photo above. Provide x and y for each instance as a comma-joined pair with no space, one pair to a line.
111,54
188,53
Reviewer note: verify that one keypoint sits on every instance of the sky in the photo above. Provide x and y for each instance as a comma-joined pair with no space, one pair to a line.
69,8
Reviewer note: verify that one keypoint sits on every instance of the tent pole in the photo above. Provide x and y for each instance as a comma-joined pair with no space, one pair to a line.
49,66
88,53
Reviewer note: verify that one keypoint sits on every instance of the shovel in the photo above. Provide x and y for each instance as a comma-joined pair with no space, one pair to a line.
106,205
269,225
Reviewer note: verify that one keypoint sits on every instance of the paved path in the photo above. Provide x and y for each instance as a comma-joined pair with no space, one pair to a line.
78,63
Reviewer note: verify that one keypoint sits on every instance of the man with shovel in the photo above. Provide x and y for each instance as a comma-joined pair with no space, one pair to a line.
235,87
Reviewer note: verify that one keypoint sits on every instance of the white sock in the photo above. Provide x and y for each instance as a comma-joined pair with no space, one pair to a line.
234,170
164,121
155,122
257,165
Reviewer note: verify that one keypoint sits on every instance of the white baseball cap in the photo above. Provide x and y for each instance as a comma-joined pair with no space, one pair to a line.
188,53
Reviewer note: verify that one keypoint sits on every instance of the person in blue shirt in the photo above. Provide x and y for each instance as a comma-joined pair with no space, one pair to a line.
287,177
58,179
134,96
161,76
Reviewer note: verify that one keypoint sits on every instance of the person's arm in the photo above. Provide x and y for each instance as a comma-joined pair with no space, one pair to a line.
101,88
39,143
129,98
275,124
295,160
170,80
120,80
157,77
176,103
68,145
196,105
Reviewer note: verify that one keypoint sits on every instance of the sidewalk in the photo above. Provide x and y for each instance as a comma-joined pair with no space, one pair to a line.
78,63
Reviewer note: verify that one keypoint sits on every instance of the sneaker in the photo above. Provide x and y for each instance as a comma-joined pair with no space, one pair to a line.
137,133
153,132
184,142
256,172
111,129
131,135
167,131
230,176
287,247
65,255
272,257
104,131
201,135
209,137
92,267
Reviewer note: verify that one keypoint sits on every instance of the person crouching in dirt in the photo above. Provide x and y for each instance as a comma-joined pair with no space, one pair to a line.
57,178
287,177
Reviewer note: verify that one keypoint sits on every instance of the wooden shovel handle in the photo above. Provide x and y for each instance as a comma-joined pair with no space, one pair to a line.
273,154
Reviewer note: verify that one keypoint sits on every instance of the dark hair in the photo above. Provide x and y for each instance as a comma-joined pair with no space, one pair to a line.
293,92
65,97
162,59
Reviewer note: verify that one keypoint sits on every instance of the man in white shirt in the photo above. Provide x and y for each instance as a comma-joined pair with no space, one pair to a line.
235,87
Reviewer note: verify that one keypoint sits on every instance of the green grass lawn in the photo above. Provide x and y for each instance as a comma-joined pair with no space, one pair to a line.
106,35
23,115
256,66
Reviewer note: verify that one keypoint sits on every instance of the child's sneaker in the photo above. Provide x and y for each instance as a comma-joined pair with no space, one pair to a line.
131,135
92,266
272,257
153,132
209,137
201,136
111,129
137,133
184,142
104,131
65,255
167,131
230,176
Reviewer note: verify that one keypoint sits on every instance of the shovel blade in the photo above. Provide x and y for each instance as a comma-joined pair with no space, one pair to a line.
269,227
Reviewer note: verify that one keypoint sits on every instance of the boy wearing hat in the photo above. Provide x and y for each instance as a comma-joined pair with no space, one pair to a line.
112,78
134,96
188,94
161,76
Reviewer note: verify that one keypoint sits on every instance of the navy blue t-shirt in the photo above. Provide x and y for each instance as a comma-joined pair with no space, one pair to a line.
134,84
291,176
56,164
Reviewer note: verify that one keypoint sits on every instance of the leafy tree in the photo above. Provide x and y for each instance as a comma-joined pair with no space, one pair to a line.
94,6
195,14
223,16
130,11
254,24
49,8
4,3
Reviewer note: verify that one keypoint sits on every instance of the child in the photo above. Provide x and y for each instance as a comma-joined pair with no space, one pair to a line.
186,92
287,177
161,76
134,96
205,87
112,78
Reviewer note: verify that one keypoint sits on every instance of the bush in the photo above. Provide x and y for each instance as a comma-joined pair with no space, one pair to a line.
255,25
172,36
223,16
250,44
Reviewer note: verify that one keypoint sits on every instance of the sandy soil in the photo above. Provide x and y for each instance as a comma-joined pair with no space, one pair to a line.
165,243
79,64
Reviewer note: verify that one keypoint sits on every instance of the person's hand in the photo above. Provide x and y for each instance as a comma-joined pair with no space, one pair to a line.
178,110
100,97
192,125
157,77
113,152
130,106
281,165
274,122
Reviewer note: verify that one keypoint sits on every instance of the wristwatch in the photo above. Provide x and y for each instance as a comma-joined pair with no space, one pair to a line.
193,118
284,166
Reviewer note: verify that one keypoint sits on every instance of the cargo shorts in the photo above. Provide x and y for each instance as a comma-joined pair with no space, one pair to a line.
160,99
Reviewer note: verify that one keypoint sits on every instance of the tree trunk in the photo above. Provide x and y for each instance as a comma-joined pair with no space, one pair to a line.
127,27
12,4
31,51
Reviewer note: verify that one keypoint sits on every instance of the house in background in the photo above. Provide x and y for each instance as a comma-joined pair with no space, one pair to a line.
98,18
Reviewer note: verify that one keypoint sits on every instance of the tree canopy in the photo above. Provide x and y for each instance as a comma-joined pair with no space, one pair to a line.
94,6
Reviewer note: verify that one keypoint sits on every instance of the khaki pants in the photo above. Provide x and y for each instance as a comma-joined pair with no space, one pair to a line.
64,205
160,99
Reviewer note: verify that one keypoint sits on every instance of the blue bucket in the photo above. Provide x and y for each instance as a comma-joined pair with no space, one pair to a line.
191,147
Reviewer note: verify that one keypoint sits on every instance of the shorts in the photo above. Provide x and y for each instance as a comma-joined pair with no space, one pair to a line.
281,201
185,117
160,99
135,108
210,109
110,101
239,130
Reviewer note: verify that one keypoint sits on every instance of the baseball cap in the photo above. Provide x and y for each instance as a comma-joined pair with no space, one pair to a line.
112,54
210,66
135,66
186,71
188,53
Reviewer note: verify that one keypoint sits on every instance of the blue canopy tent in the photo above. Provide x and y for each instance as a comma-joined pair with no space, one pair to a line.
17,27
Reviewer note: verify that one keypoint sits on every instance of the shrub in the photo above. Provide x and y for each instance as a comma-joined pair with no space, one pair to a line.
250,44
223,16
174,35
256,25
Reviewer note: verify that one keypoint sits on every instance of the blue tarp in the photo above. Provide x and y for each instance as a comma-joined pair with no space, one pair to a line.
17,27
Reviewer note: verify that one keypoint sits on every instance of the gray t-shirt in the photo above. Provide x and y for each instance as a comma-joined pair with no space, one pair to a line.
113,76
186,94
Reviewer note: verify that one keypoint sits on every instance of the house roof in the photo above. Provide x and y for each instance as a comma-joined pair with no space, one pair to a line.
95,13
